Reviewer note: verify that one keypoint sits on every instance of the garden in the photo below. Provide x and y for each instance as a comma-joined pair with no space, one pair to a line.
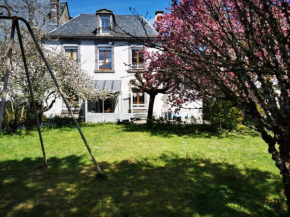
177,170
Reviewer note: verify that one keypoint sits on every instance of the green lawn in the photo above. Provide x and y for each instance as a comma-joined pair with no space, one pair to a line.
151,172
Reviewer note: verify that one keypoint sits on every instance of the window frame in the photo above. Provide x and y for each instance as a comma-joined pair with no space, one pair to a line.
72,48
104,106
139,65
138,91
98,47
101,24
105,49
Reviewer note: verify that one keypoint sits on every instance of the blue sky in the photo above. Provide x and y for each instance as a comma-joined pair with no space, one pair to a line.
117,6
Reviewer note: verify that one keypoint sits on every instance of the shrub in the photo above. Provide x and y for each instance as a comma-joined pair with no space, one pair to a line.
222,114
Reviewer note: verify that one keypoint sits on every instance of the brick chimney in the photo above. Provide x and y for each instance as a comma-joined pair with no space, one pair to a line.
158,15
54,11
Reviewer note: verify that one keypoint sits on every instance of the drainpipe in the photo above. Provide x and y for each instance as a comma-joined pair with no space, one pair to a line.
131,96
121,106
86,110
103,104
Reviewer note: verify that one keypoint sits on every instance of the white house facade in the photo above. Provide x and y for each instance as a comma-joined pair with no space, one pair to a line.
100,42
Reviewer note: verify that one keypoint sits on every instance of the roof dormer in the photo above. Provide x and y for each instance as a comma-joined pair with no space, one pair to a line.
105,22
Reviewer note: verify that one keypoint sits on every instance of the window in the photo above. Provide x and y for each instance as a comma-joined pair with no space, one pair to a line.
95,107
105,25
105,58
72,53
137,58
138,97
103,106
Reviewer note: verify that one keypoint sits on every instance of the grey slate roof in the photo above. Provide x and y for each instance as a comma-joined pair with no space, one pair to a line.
42,12
85,25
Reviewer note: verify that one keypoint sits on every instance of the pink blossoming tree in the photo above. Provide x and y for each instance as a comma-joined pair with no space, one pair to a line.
238,50
157,77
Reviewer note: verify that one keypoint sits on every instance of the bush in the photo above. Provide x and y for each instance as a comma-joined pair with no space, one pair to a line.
16,120
58,122
222,114
13,118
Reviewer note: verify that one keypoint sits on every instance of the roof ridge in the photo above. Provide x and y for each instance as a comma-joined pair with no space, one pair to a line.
127,15
114,14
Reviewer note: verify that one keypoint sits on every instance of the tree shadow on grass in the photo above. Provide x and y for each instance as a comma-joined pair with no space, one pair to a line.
164,186
192,130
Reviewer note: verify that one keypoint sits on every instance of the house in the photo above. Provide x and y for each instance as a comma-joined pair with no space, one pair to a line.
101,44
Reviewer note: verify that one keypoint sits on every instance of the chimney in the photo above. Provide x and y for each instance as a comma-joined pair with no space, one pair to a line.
158,15
54,11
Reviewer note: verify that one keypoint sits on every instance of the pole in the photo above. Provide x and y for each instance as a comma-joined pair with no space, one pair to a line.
31,91
61,93
6,74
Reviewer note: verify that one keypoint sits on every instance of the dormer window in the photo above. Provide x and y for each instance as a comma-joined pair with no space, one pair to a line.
105,25
105,22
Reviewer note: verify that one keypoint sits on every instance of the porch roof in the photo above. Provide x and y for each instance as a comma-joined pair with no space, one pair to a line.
114,85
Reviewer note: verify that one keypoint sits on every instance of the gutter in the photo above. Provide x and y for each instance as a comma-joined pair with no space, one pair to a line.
102,38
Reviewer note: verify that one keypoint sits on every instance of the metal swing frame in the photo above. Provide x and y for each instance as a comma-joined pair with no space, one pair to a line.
15,26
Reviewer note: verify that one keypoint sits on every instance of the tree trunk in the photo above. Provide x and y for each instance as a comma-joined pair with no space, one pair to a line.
22,112
286,183
281,158
151,106
284,149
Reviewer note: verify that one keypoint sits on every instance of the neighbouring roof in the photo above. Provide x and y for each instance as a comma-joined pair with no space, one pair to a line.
62,6
42,12
85,25
114,85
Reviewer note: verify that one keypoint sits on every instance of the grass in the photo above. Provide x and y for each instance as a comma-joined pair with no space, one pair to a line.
151,172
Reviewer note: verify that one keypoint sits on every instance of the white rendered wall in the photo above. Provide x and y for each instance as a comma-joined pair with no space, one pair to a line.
87,55
55,110
121,58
